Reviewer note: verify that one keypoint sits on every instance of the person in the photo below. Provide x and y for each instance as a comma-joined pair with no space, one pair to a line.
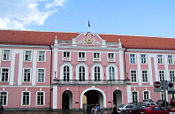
98,107
94,110
114,111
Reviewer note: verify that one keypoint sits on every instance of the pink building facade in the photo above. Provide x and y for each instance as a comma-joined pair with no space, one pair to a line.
54,70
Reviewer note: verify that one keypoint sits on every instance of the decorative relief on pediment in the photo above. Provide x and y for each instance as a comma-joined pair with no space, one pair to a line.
89,40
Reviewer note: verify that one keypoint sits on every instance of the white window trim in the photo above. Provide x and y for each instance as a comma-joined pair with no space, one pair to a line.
101,71
22,98
172,59
136,76
98,59
66,57
162,59
7,98
169,73
148,94
147,76
30,75
159,74
44,56
44,74
130,58
83,59
137,95
31,55
115,71
8,74
86,71
146,58
111,58
43,98
3,55
61,71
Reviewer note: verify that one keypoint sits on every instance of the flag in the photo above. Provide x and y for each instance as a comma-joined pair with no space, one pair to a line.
89,24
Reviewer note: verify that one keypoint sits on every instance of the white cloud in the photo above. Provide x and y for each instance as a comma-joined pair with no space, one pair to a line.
20,14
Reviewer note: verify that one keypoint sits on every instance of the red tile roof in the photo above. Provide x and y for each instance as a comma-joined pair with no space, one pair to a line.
47,38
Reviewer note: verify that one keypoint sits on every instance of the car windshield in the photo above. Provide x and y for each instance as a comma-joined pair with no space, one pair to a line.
121,106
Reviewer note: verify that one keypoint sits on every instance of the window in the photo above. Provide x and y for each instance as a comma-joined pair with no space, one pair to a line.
170,59
6,55
146,95
161,75
27,75
28,56
97,73
40,75
134,97
66,73
172,75
160,59
144,76
96,55
4,75
111,73
3,98
132,59
133,76
110,55
81,73
81,54
41,56
25,98
40,98
66,54
143,58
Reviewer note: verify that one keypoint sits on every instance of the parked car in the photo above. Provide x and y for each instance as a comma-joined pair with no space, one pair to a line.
1,108
172,101
162,102
135,109
148,100
149,103
155,109
124,107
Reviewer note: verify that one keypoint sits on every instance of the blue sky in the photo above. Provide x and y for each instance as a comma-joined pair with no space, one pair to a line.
128,17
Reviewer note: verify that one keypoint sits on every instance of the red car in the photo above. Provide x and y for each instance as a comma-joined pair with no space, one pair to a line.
156,109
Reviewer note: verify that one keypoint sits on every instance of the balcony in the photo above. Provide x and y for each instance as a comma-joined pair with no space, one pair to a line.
91,82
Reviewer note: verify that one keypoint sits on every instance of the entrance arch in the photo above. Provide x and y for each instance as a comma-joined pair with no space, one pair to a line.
67,99
94,95
117,97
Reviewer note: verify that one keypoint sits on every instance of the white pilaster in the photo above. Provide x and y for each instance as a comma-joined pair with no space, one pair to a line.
12,67
20,70
121,66
34,67
139,76
55,62
55,91
129,94
150,70
156,68
167,75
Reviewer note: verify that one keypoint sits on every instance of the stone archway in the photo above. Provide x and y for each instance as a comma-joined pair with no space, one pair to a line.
117,97
67,100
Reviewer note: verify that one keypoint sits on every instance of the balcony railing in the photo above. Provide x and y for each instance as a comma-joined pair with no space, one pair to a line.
91,82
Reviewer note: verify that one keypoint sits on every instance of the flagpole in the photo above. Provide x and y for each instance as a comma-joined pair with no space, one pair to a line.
89,26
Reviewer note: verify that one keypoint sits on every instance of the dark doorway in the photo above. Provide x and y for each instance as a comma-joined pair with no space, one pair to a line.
117,97
66,100
94,97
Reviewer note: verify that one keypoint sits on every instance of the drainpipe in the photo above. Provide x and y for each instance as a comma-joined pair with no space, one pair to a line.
50,78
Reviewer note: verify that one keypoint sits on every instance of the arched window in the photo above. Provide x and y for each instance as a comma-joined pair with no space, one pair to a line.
81,73
97,73
146,95
66,73
111,73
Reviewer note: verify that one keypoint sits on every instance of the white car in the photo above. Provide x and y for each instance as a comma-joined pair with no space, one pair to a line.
149,103
124,107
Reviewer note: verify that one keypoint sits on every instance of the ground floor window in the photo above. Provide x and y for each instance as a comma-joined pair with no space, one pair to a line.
3,98
25,98
134,96
40,98
146,95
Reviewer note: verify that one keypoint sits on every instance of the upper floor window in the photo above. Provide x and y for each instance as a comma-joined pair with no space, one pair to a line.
40,75
132,58
97,73
145,76
161,75
25,98
134,97
66,73
27,75
110,55
81,73
172,75
170,59
6,55
3,98
28,56
66,54
96,55
145,95
111,73
160,59
143,58
41,56
81,54
5,75
40,98
133,76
